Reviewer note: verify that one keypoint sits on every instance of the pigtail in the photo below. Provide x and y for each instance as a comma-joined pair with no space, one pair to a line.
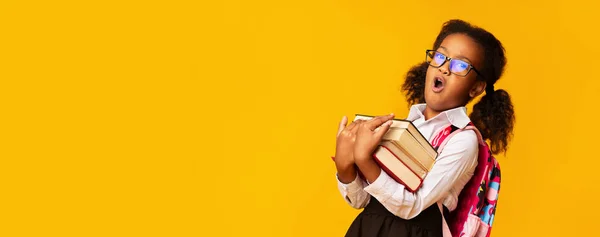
494,116
414,85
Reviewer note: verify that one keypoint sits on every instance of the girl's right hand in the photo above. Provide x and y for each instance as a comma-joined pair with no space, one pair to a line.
344,147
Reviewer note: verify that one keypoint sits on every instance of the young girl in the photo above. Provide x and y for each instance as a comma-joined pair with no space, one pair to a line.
464,63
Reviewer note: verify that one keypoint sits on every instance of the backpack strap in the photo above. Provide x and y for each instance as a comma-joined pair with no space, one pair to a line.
477,201
445,227
439,142
442,137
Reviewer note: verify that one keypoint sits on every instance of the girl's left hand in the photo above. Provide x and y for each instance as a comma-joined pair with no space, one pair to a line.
369,136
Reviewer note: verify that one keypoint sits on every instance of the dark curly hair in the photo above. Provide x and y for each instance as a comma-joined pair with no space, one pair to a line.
493,115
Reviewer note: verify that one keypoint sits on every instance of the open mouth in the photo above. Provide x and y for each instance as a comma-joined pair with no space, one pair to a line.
438,84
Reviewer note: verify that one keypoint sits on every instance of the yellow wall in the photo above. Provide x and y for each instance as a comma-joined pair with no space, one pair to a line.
218,119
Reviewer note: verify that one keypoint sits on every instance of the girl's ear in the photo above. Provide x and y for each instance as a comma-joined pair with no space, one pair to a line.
477,89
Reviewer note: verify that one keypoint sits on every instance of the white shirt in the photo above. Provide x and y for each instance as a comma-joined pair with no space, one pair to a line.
452,170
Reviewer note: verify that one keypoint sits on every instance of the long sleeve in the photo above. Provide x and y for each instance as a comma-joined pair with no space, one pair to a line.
451,171
354,192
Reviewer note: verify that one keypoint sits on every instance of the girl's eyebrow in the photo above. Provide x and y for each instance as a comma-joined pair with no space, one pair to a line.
458,56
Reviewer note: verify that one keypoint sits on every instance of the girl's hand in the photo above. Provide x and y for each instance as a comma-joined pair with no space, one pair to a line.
369,136
344,147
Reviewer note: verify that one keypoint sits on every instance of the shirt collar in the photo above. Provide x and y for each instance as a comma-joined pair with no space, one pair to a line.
457,116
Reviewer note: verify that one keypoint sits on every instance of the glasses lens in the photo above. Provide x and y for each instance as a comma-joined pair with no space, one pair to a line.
459,67
435,59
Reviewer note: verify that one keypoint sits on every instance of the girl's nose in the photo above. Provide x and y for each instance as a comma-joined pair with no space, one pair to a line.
444,70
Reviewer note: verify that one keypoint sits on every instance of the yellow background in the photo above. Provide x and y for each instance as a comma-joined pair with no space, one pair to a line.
202,118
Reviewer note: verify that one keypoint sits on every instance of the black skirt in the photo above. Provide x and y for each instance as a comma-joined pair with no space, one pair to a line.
376,221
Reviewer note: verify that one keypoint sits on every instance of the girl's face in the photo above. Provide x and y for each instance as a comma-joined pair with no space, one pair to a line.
444,89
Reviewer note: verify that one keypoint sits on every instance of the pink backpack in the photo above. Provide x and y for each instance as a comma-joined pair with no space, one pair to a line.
477,201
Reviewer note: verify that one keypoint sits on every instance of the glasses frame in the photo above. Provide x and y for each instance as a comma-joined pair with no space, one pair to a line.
448,59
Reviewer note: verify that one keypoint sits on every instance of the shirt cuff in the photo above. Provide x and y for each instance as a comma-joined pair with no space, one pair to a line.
382,188
353,186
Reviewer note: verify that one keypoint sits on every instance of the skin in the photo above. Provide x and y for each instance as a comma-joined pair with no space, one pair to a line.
344,150
357,141
360,134
458,91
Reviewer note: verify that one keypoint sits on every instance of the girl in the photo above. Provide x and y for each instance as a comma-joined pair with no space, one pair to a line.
465,62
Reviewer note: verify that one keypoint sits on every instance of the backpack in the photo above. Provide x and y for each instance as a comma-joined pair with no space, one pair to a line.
477,202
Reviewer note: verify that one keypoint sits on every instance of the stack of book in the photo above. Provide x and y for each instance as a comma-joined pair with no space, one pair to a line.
404,153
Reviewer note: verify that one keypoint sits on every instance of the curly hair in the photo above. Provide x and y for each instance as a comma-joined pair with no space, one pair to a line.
493,115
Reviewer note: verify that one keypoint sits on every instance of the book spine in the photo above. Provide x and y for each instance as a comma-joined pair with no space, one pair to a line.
396,178
412,155
422,141
404,163
396,149
393,176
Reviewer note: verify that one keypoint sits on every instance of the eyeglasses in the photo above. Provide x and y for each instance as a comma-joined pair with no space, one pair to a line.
457,66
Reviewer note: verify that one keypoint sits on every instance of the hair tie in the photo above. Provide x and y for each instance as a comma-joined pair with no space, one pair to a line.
489,89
